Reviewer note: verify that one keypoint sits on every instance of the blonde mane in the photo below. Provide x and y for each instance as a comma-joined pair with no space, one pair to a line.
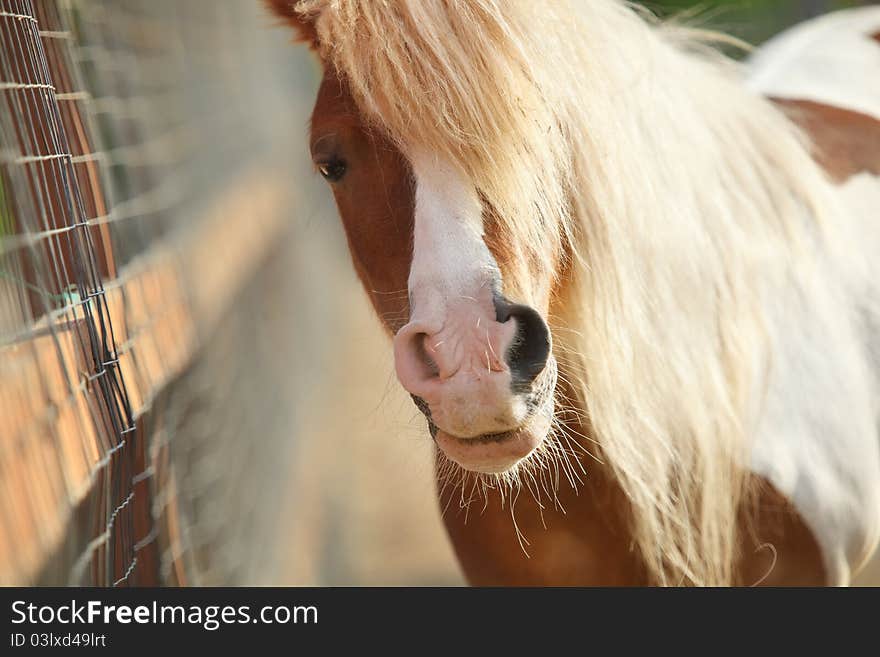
679,197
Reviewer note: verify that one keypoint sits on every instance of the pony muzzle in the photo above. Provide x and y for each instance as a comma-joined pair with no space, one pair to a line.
475,375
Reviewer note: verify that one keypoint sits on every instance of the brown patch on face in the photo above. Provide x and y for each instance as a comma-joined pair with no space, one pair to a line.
375,198
876,37
846,143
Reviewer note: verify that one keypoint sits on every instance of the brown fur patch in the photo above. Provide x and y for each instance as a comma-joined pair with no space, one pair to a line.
846,143
590,543
375,199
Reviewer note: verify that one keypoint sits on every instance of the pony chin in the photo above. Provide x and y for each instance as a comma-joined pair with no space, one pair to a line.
498,453
494,454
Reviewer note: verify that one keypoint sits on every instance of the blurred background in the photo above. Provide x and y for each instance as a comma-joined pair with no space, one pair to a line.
193,389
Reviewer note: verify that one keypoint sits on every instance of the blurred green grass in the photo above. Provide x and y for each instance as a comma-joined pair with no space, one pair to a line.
751,20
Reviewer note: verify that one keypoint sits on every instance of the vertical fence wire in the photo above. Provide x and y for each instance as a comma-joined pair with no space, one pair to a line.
143,427
53,264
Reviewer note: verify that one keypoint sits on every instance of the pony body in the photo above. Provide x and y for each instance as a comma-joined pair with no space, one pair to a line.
707,287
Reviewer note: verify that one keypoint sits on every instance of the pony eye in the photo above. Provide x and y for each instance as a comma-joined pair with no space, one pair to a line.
332,171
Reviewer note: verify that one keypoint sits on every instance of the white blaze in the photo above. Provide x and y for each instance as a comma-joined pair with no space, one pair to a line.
450,258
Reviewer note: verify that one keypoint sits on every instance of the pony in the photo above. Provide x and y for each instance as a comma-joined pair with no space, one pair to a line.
628,280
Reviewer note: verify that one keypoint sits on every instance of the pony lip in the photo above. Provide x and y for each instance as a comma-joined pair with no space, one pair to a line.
490,454
496,453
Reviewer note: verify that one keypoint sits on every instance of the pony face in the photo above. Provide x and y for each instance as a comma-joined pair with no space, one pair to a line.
436,266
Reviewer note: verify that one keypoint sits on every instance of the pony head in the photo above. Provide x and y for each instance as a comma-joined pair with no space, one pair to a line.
459,258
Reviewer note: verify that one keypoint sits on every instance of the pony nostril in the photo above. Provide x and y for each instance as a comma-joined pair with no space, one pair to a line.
528,353
423,348
412,358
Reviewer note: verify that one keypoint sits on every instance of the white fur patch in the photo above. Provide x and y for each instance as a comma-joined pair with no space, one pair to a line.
817,439
831,60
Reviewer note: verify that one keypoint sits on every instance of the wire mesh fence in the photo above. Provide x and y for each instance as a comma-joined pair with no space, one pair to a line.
141,191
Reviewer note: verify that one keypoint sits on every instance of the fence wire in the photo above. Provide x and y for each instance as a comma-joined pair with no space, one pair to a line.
139,199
